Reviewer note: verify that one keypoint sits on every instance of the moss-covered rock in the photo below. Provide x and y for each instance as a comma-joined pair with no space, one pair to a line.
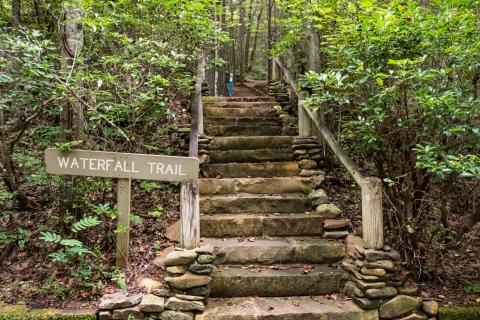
460,313
21,312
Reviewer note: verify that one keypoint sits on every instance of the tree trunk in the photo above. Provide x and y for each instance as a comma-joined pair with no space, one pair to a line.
241,41
269,40
16,13
255,38
222,53
71,116
233,67
249,32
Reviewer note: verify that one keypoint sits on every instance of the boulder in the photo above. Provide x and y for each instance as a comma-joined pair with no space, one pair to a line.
132,313
105,315
311,173
189,297
199,291
335,234
335,224
430,307
319,197
350,242
205,258
179,258
373,272
372,255
177,304
388,265
408,291
367,304
173,232
149,284
328,211
177,270
399,306
188,280
152,303
161,292
201,268
119,299
176,315
382,293
205,249
307,164
351,290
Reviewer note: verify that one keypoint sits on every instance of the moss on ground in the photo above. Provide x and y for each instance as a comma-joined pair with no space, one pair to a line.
460,313
21,312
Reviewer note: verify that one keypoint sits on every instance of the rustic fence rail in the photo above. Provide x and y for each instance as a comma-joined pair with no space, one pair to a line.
371,187
189,193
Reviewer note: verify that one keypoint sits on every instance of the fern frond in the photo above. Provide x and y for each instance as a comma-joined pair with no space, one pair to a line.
85,223
50,237
71,243
58,256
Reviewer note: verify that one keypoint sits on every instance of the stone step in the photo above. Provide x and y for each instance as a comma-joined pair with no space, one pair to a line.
211,99
243,130
288,280
246,170
256,225
240,121
241,104
252,142
276,250
239,112
259,185
259,155
255,203
284,308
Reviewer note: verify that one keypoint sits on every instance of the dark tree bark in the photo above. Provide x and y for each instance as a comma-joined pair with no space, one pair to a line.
16,13
249,32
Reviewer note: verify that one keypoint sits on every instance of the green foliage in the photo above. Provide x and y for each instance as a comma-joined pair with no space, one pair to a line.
149,186
69,145
85,223
472,287
400,84
118,277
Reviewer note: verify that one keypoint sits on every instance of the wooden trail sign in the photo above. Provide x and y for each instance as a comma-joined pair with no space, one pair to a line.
124,167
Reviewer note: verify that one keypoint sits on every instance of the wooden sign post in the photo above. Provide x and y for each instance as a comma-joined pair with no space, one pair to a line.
123,167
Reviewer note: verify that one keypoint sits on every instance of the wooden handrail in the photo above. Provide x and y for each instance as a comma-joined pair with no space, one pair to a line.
189,193
372,208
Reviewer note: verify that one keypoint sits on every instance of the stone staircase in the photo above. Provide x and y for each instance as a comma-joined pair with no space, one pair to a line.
271,260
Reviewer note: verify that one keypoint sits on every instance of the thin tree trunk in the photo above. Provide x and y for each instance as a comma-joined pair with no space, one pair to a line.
222,53
241,41
269,40
233,66
71,116
254,48
249,32
16,13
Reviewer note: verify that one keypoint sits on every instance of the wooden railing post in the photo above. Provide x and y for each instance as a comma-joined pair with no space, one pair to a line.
276,75
372,213
304,124
189,193
190,214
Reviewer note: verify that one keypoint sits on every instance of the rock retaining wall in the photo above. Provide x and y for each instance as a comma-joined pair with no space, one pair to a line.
185,293
376,283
